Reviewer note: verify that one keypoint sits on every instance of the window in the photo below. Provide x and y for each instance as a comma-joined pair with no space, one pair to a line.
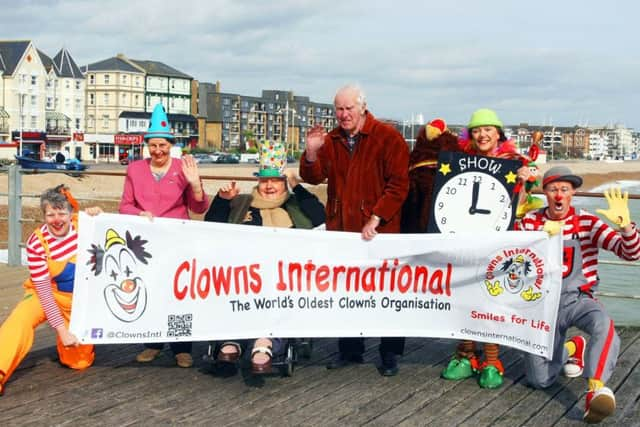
142,123
34,100
78,85
124,98
49,103
124,79
137,80
34,122
137,99
77,124
34,80
226,101
106,99
92,98
105,121
92,79
106,79
67,84
49,83
90,121
78,104
67,103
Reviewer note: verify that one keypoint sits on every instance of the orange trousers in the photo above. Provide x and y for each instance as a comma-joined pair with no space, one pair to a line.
17,332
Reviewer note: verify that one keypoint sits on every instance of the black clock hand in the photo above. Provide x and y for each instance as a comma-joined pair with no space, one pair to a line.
482,211
474,198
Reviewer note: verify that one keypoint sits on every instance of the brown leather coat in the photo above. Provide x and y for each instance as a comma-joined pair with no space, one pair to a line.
373,179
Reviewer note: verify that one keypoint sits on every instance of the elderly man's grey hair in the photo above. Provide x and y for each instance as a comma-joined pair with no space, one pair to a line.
55,198
361,97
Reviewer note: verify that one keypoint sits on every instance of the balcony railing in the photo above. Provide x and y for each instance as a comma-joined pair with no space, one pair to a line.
58,131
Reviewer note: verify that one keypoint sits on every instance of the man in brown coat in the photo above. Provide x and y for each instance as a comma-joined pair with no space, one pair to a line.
366,164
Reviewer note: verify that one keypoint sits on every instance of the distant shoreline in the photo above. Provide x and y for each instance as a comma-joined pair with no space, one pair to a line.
597,173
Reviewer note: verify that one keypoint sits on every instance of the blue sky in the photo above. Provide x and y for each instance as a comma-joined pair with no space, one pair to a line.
561,62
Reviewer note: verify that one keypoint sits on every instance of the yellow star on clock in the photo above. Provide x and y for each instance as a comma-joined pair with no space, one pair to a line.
511,177
445,169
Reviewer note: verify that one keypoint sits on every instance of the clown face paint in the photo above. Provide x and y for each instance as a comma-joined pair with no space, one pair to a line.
125,294
58,221
559,195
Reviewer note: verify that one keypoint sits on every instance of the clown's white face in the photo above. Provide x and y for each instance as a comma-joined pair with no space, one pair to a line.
125,294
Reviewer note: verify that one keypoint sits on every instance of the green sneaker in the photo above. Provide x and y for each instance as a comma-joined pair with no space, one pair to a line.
457,369
490,377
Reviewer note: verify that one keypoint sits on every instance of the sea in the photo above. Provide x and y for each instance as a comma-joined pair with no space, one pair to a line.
616,279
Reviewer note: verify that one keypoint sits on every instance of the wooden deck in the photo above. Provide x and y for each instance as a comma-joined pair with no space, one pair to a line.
118,391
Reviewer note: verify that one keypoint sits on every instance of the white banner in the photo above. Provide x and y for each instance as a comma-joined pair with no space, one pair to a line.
173,280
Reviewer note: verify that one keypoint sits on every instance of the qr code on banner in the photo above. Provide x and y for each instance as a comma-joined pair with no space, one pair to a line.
179,325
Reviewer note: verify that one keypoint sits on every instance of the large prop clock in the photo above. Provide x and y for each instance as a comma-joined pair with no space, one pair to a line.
473,193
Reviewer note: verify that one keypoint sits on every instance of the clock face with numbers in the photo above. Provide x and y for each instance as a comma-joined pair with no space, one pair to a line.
473,193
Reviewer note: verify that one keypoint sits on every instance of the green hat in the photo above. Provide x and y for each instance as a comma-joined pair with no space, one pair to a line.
159,124
484,117
273,160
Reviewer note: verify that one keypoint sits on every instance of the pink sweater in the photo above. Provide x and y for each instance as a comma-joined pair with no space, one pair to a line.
171,197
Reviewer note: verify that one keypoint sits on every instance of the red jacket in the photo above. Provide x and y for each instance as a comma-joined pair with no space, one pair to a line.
371,180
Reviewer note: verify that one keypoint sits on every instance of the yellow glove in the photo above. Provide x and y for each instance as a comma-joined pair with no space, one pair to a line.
494,288
553,227
618,212
529,295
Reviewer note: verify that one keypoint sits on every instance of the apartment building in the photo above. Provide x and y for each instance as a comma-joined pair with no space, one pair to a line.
41,101
121,94
64,105
231,121
22,95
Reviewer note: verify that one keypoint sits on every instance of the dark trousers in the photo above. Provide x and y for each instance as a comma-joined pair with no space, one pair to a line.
176,347
354,346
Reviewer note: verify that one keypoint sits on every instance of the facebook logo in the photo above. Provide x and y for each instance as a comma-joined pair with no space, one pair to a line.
96,333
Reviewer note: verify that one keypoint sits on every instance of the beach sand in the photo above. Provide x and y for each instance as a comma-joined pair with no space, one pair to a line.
105,190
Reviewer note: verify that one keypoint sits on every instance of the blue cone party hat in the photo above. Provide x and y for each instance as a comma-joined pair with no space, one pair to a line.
159,124
273,160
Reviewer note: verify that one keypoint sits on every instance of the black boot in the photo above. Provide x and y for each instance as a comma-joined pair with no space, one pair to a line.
389,366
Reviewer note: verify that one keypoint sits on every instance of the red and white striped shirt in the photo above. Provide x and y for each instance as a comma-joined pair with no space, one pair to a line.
60,249
593,233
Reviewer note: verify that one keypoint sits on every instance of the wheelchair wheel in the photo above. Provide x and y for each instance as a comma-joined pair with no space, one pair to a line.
289,360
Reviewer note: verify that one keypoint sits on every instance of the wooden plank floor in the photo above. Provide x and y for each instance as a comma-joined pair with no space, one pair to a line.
118,391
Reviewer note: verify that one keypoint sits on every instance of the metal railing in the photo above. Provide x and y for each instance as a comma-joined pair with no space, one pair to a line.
15,196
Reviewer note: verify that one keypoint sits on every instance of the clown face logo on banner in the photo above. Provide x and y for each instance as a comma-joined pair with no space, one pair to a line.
516,276
125,293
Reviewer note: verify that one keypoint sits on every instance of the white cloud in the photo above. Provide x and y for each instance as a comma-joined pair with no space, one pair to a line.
568,60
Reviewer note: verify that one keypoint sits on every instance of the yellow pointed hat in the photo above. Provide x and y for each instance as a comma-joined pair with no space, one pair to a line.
112,238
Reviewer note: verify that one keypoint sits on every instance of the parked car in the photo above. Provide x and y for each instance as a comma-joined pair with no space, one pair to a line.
203,158
227,158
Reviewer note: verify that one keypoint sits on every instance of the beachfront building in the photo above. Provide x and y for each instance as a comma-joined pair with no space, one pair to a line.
113,85
620,142
121,94
235,122
598,145
64,106
22,98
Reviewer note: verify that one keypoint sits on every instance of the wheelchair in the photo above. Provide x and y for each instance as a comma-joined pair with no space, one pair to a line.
284,363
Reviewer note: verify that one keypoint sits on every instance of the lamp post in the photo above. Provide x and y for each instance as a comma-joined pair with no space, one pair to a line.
21,106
